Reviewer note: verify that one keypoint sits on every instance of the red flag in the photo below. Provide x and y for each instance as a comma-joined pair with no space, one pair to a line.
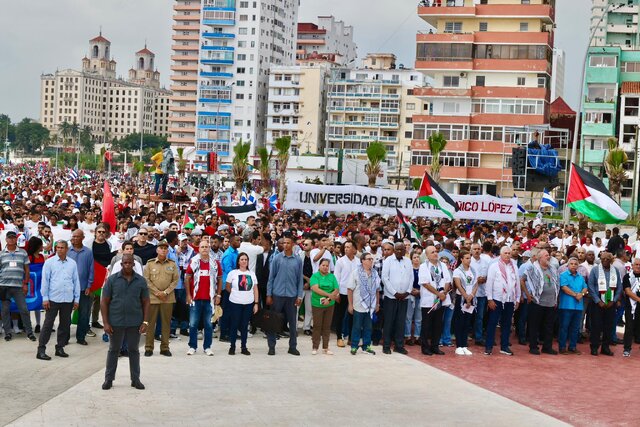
187,218
108,208
99,277
108,155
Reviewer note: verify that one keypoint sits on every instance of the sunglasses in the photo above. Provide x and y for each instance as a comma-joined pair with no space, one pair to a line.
100,231
143,234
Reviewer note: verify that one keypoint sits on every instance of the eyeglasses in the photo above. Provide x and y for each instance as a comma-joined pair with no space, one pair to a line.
143,234
100,231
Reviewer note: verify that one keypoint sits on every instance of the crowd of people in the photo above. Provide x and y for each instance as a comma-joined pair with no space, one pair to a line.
354,275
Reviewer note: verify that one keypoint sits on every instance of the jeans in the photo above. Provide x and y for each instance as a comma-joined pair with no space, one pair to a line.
395,314
161,178
239,320
18,296
286,305
200,310
339,314
361,329
521,327
180,317
569,328
414,314
619,317
446,326
481,308
84,313
223,323
462,323
503,314
130,335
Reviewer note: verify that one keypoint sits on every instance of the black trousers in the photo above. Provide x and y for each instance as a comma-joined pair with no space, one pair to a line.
540,319
339,313
602,320
64,327
395,316
431,328
132,336
631,327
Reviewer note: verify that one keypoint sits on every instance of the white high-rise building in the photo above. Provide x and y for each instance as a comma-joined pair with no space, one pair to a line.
327,37
557,73
220,78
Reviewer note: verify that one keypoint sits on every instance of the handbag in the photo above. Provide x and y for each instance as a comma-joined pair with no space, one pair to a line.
269,321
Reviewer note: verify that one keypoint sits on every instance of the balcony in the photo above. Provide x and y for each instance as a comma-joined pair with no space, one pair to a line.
432,92
219,4
593,156
217,35
216,74
444,64
509,92
364,95
447,9
598,129
622,28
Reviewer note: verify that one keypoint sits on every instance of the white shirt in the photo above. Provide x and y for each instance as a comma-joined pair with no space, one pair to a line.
344,268
316,264
588,266
427,298
397,276
252,251
468,279
242,283
498,288
481,267
592,248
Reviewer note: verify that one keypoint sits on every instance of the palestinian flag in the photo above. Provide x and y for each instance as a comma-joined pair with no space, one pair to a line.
238,212
589,196
432,194
188,219
410,231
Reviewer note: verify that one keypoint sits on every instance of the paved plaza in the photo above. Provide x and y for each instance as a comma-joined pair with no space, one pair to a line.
239,390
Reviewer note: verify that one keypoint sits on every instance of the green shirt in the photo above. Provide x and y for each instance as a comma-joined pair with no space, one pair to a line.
327,283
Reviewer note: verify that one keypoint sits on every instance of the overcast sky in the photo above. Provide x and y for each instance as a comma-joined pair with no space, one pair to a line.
44,35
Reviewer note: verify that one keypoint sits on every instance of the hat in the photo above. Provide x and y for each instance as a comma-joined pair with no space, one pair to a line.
189,226
182,237
11,234
625,236
505,228
217,314
163,243
223,227
526,254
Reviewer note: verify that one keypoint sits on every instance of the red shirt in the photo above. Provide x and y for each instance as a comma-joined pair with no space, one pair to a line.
204,286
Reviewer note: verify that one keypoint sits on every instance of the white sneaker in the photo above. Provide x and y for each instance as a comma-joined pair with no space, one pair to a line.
328,352
460,351
249,335
208,352
314,352
467,352
191,352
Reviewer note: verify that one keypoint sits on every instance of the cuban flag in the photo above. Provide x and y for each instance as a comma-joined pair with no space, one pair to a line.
520,207
253,198
244,199
73,174
547,201
273,201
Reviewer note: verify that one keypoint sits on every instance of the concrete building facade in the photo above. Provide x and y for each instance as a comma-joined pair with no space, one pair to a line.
557,74
326,37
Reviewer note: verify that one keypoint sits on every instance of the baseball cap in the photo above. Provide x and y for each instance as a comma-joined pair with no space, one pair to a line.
163,243
11,234
182,237
526,254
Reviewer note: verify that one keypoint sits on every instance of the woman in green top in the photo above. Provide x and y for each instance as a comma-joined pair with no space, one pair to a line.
325,291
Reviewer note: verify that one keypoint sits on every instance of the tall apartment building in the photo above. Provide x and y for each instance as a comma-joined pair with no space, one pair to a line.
490,62
296,106
327,37
222,53
615,23
557,74
95,97
373,103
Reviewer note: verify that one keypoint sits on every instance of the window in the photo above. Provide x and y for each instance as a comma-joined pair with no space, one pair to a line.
484,26
603,61
452,27
601,92
451,81
631,67
524,26
450,107
542,81
597,117
521,81
480,80
407,134
631,106
411,106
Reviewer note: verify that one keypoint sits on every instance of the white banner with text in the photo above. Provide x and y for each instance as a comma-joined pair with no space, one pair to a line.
354,198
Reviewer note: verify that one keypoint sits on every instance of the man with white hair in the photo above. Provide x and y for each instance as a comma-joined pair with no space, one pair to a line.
503,294
543,286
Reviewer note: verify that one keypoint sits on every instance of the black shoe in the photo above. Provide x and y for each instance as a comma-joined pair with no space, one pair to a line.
137,384
606,352
42,356
184,332
427,352
522,342
245,352
82,342
549,351
31,337
96,325
106,385
224,338
386,350
37,329
307,332
534,351
506,352
272,352
158,338
487,352
166,353
401,350
232,351
294,352
8,337
594,351
438,352
60,352
148,353
480,342
284,334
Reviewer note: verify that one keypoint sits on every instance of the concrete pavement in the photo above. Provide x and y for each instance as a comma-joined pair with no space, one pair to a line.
279,390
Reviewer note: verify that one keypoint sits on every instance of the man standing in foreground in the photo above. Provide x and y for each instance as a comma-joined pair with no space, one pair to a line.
124,306
397,277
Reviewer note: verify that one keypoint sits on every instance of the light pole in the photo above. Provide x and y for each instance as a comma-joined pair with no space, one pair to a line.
6,143
576,128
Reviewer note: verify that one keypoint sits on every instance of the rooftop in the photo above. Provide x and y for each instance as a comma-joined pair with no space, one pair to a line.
559,106
630,87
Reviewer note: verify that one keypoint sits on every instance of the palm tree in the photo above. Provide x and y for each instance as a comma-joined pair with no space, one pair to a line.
264,167
437,144
614,165
282,145
86,139
376,153
65,132
240,163
182,164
